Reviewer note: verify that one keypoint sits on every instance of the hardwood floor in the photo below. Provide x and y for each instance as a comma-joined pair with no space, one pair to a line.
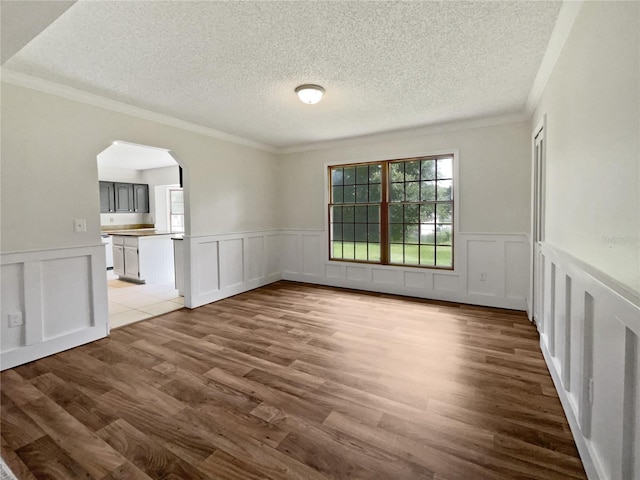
293,381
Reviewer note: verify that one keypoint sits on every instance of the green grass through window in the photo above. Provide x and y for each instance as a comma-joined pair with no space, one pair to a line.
410,254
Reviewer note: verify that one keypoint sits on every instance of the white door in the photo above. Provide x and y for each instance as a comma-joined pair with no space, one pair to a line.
538,227
118,260
131,262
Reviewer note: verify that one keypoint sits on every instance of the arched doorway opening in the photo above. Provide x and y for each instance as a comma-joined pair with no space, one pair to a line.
143,219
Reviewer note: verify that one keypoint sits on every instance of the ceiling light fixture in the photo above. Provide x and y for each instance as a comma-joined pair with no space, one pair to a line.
310,94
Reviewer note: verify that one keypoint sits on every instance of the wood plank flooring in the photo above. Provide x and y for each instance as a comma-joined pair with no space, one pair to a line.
293,381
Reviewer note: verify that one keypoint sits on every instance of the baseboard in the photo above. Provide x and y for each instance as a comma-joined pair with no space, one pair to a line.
457,297
25,354
221,294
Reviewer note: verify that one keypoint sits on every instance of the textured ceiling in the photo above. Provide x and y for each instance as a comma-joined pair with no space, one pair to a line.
233,66
135,157
23,20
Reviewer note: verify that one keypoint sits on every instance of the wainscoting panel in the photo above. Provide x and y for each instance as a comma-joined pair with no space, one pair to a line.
272,254
447,283
12,300
334,271
254,265
359,275
219,266
514,281
61,296
291,257
207,274
385,277
485,264
231,257
590,344
56,295
417,280
311,252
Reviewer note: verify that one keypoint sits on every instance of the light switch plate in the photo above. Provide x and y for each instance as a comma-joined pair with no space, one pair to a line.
80,225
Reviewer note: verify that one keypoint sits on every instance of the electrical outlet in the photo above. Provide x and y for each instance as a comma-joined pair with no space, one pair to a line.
80,225
483,276
110,219
15,319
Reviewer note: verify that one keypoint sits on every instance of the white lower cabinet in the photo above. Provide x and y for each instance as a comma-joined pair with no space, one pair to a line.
118,259
131,266
145,259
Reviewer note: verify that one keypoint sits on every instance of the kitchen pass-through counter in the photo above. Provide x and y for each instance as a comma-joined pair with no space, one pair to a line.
142,232
143,256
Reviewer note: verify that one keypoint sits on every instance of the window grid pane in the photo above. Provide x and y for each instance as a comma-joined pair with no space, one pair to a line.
419,210
355,232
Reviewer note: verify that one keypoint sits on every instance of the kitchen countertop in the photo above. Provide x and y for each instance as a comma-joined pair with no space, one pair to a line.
143,232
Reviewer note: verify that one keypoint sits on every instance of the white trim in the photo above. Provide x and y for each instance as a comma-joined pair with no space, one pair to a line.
592,345
564,23
305,259
452,126
139,145
589,459
29,353
367,286
228,236
396,156
41,85
42,253
562,28
540,127
32,288
456,182
52,88
612,286
211,263
5,471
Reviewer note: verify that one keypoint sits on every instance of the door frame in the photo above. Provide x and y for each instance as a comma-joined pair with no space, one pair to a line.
538,197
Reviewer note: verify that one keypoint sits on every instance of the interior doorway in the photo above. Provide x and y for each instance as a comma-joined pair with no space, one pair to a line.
141,221
538,224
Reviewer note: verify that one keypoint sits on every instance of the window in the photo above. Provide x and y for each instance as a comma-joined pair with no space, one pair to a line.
396,212
176,210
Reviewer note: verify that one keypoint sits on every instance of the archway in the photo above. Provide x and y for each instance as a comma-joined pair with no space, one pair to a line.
142,219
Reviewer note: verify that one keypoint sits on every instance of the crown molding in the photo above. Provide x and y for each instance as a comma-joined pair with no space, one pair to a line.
45,86
564,23
34,83
411,132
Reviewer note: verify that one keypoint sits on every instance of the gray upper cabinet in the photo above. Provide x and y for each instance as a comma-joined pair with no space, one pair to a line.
107,198
124,197
141,198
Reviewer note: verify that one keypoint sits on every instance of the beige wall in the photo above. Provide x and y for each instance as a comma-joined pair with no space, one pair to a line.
493,174
50,177
592,103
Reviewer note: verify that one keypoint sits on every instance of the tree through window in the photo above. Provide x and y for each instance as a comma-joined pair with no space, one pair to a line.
396,212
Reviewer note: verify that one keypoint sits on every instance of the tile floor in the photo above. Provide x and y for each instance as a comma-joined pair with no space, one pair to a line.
130,302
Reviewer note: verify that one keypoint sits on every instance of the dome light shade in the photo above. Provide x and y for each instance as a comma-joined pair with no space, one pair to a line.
310,94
